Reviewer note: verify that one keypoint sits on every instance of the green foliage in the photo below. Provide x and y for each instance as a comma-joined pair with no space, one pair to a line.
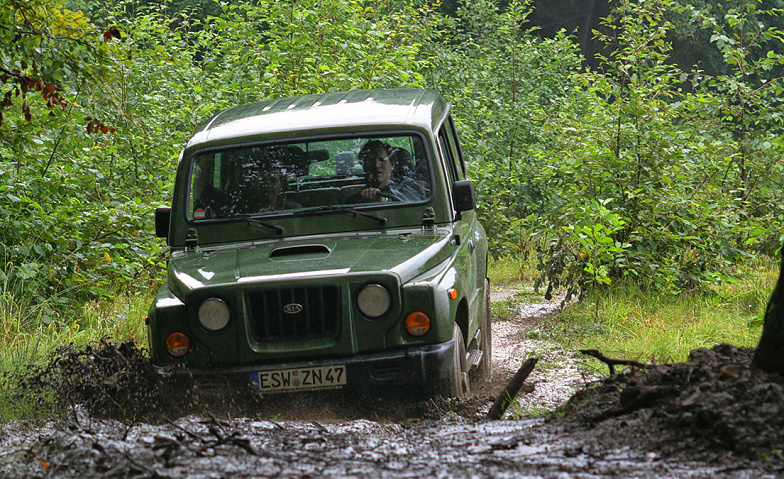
46,54
744,110
79,183
586,254
504,83
271,49
636,141
44,50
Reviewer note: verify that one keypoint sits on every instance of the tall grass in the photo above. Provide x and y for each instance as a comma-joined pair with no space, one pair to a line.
626,322
30,332
27,337
520,268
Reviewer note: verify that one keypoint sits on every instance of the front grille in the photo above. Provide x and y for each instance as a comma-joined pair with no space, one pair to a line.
294,314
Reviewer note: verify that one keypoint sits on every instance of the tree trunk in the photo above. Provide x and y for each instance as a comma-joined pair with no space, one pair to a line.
591,13
589,23
769,356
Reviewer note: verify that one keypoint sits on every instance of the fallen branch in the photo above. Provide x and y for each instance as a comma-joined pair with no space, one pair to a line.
510,391
611,363
319,426
277,425
193,435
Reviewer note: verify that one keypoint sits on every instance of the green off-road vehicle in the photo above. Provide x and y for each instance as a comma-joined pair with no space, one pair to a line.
325,241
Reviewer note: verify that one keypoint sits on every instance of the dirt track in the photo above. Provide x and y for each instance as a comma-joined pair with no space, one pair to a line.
334,435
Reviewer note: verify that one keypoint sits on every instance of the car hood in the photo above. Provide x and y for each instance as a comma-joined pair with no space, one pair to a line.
406,253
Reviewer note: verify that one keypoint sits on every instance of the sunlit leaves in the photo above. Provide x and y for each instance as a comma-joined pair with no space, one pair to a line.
271,48
52,17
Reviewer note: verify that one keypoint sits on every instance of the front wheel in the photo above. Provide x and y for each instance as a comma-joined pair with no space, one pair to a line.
456,385
485,367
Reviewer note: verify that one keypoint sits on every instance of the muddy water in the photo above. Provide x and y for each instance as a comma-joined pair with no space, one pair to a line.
337,435
202,447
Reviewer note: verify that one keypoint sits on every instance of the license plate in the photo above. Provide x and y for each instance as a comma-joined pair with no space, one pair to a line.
298,378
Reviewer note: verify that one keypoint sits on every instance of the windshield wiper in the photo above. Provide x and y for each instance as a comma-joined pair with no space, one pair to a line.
341,209
255,221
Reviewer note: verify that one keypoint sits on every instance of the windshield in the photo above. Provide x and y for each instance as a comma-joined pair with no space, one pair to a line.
267,179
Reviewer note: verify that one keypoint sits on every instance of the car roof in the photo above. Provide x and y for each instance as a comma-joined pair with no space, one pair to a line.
324,113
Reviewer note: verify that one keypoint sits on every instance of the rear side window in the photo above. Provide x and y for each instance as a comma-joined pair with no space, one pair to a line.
455,140
451,151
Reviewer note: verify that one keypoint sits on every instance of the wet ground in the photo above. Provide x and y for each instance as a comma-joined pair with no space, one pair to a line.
708,417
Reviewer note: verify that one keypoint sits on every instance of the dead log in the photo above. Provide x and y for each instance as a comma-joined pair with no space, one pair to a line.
611,363
506,397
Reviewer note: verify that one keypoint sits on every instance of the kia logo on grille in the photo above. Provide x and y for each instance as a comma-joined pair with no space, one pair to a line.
292,308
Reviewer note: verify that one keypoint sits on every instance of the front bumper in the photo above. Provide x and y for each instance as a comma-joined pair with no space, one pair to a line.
419,369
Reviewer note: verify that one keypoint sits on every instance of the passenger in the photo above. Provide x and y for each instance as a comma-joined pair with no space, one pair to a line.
256,187
209,201
387,174
261,188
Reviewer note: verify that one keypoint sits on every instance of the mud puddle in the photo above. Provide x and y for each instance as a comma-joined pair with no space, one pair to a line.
709,417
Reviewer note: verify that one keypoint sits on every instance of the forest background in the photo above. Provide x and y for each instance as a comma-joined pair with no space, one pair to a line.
613,142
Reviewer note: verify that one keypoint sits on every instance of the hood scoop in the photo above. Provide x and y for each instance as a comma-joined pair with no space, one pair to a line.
309,251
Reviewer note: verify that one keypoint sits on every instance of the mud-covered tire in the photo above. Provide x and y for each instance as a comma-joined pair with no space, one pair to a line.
485,368
455,384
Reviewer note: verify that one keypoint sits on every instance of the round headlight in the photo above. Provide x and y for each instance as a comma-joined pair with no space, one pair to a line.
214,314
374,300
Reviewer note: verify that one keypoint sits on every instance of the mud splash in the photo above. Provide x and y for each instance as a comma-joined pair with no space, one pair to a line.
117,381
107,379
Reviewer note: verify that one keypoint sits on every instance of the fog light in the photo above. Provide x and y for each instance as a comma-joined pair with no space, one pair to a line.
374,300
213,314
417,323
178,345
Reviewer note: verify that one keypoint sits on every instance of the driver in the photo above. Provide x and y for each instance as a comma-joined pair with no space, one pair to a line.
385,171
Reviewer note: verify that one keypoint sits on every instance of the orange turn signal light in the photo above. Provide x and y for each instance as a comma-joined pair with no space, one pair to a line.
178,344
452,293
417,323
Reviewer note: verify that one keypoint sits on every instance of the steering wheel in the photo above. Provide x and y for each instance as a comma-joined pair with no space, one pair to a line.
389,195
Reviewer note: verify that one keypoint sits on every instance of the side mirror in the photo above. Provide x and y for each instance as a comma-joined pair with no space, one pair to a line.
162,219
463,195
